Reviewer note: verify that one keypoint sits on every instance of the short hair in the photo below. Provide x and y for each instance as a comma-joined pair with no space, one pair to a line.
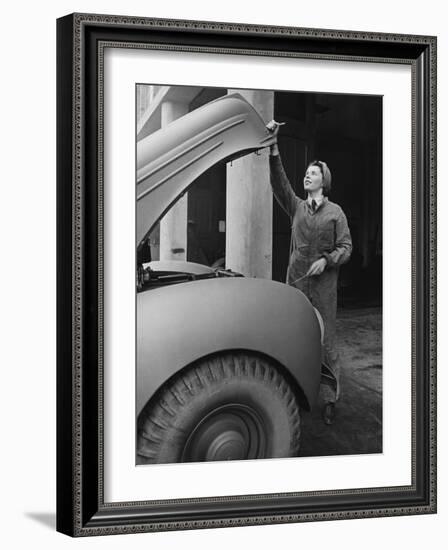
326,176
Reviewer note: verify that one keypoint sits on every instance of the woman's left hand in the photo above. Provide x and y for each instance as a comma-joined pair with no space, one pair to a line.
317,267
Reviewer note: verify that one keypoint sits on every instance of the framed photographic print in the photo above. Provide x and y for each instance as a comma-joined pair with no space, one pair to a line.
246,274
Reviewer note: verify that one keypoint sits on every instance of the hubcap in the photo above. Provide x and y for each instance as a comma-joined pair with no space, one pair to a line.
230,432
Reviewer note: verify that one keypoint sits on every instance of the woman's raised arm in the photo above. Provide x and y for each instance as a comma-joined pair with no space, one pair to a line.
281,186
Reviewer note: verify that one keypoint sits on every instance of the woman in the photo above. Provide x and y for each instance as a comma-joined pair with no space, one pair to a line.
320,243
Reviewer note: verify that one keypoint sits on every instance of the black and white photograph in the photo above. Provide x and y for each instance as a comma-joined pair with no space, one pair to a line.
246,275
259,272
221,315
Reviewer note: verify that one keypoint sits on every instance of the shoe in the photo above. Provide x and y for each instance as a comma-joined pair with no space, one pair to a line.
329,413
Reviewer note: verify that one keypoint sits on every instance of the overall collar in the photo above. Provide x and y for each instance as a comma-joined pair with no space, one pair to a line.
319,201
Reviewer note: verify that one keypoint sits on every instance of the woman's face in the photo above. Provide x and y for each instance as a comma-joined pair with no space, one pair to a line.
313,179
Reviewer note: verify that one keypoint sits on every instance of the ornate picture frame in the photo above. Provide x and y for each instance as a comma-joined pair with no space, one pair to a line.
82,509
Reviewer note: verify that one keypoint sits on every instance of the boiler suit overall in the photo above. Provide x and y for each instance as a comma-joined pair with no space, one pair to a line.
322,233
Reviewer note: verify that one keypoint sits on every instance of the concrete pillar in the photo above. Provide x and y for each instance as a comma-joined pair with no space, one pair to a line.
143,99
249,203
173,226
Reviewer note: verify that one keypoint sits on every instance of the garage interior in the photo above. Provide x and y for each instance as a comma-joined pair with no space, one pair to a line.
346,132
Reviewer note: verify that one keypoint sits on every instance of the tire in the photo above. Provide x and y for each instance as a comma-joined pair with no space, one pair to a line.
228,407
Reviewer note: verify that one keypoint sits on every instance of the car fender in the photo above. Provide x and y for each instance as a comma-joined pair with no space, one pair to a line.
179,324
179,266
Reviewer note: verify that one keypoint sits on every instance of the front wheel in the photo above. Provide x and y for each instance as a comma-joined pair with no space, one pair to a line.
227,407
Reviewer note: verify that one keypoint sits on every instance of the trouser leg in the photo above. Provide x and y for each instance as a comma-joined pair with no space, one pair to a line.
330,392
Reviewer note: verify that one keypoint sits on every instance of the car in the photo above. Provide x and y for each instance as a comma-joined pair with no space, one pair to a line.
225,364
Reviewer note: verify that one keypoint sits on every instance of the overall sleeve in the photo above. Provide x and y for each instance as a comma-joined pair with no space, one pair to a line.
343,249
281,187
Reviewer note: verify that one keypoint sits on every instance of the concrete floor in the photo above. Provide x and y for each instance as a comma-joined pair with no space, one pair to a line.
358,425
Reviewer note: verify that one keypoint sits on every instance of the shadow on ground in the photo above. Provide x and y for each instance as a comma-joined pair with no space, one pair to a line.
48,519
358,424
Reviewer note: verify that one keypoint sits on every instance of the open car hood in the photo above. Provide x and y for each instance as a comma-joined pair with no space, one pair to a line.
169,160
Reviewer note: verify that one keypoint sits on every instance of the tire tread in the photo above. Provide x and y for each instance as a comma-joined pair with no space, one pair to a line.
157,418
